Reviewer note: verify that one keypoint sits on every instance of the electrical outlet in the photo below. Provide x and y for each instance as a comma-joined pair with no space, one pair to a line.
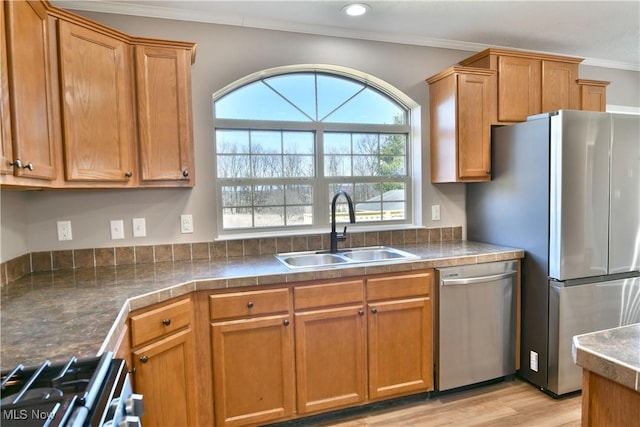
186,224
64,230
533,361
435,212
139,227
117,229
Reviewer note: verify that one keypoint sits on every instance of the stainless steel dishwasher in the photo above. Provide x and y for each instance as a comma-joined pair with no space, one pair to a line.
476,323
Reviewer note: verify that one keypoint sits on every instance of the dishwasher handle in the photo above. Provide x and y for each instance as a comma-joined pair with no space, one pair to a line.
479,279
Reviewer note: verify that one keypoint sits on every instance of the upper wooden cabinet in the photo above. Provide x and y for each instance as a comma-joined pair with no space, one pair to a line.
460,106
32,93
163,83
559,89
518,88
465,102
593,95
6,150
97,105
90,106
528,82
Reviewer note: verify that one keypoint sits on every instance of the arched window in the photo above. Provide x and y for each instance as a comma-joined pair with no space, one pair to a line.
285,143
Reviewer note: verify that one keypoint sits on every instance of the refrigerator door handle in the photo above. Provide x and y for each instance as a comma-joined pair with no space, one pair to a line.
480,279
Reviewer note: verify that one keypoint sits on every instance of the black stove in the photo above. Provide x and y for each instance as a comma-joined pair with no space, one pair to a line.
92,391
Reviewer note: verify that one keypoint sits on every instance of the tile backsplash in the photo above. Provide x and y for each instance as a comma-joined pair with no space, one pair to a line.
127,255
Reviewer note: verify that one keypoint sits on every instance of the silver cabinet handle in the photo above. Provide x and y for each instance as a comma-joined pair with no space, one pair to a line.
28,166
17,163
480,279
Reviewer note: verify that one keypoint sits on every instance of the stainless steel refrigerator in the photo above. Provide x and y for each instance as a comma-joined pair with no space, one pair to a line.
566,189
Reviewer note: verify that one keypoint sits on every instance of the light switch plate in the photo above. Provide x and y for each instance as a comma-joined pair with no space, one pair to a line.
117,229
139,227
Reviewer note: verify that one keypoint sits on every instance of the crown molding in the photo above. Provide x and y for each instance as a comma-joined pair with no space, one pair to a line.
150,10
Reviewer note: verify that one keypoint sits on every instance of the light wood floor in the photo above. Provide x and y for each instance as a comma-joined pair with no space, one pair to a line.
508,404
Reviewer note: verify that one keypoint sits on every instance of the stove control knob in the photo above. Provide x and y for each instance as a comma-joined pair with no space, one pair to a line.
134,405
130,421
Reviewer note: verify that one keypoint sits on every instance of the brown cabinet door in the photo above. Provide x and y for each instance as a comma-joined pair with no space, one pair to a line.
6,150
462,103
559,87
163,80
31,89
593,98
331,358
474,127
164,375
519,82
98,119
400,347
253,370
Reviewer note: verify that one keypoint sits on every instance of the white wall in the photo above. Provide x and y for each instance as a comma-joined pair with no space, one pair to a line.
225,54
13,208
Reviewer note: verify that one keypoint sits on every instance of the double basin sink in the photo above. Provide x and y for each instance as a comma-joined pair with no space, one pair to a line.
371,254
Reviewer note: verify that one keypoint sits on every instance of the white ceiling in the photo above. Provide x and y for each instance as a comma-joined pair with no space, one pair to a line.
605,33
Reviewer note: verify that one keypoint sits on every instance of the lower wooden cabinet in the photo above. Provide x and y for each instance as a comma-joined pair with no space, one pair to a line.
400,335
164,375
273,354
331,350
341,348
162,362
253,368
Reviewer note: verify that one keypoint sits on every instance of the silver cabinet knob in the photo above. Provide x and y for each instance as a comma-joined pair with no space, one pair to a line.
134,405
28,166
185,173
17,163
130,421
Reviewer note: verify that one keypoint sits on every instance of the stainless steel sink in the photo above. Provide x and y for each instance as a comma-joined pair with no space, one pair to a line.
371,254
375,254
310,259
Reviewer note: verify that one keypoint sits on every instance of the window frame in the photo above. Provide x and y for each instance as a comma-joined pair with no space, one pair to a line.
412,180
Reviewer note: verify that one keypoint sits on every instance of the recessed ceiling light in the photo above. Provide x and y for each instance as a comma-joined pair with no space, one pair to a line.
356,9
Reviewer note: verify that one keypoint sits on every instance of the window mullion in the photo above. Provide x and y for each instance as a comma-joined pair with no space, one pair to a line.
273,210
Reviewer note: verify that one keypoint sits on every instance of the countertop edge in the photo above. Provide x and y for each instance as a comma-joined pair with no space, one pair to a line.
594,359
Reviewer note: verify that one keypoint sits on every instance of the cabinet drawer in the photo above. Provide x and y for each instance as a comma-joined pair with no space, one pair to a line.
400,286
160,321
248,304
328,294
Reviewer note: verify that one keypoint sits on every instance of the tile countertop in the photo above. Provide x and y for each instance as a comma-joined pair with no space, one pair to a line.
612,353
58,314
